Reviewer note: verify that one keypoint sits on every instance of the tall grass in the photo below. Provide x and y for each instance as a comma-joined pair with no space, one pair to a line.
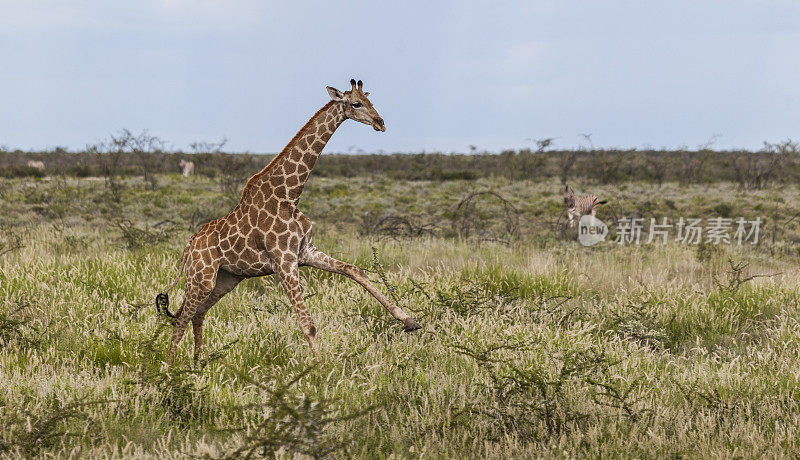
531,347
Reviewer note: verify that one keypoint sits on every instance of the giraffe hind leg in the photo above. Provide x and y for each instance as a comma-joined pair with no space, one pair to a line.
224,284
197,331
195,297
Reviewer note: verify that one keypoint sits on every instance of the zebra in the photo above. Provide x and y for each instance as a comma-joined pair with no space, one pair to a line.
579,205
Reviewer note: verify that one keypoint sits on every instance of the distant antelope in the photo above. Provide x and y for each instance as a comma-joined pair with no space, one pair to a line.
187,168
36,164
579,205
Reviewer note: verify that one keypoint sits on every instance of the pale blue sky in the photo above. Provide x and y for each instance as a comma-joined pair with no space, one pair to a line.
444,75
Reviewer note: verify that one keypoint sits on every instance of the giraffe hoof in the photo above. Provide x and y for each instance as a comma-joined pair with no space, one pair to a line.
410,325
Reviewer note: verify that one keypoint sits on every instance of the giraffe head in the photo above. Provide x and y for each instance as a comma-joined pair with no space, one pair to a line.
356,105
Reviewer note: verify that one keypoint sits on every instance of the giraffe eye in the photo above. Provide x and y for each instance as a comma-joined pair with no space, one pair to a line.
356,104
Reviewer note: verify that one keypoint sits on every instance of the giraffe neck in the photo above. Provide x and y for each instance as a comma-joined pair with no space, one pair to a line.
286,175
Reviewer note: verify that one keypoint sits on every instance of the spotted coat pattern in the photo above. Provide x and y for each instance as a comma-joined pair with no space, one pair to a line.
267,234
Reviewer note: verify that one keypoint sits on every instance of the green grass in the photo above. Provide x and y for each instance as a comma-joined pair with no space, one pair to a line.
535,348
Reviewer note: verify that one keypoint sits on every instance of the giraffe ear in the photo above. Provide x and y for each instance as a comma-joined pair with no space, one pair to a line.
366,94
336,95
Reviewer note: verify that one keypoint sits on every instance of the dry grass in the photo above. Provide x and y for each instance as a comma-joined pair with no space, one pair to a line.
539,347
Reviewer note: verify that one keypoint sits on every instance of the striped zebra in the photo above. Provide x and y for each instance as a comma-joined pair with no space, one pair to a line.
579,205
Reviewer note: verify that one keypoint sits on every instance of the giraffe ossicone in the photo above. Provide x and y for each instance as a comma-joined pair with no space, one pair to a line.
267,234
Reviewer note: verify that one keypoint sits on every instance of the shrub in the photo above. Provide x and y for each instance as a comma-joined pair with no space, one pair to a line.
20,171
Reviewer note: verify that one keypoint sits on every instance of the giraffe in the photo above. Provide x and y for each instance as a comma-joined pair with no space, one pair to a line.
267,234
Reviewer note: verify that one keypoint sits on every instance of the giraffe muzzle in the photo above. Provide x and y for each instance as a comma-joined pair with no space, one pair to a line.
378,125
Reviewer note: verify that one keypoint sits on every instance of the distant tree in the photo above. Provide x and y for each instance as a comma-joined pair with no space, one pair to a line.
543,143
148,151
656,168
755,171
566,161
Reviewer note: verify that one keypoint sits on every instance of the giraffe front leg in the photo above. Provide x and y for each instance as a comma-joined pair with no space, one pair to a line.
313,257
290,280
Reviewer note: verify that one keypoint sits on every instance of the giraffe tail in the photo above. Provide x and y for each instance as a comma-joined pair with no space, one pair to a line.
162,305
162,299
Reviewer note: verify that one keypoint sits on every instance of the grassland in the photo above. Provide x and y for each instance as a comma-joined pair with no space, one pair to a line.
532,346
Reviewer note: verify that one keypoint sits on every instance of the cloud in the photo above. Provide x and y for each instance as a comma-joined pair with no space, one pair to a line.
524,56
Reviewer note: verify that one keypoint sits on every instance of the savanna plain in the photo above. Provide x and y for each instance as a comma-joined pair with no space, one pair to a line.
532,345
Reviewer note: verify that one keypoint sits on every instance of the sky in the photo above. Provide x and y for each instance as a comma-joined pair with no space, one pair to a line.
444,75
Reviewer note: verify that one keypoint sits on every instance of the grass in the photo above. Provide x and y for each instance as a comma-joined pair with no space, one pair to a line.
535,348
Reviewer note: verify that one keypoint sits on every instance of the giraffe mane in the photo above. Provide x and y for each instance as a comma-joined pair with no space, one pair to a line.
275,161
